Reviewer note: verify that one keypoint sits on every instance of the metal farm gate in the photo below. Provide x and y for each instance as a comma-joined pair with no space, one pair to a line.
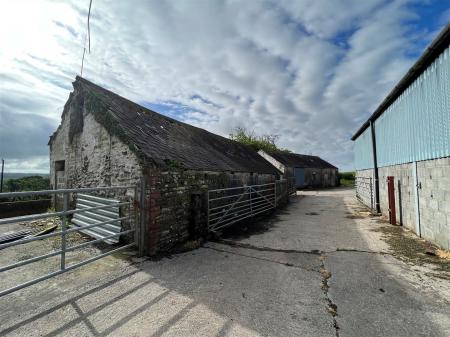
227,206
364,191
103,219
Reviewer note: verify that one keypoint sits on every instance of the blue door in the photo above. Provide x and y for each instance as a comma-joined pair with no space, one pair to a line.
299,175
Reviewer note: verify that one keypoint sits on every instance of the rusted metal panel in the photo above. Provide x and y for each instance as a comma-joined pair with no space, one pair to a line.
391,200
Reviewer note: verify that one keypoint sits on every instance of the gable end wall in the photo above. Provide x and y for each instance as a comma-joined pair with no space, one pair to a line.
93,158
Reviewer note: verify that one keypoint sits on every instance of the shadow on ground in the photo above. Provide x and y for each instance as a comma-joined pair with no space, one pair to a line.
275,287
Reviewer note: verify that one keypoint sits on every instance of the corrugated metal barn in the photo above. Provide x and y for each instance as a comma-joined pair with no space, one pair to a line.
402,152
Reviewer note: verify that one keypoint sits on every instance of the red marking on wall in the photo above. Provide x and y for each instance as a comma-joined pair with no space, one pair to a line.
391,200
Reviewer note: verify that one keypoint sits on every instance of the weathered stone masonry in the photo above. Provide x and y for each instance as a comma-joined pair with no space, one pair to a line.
91,149
176,204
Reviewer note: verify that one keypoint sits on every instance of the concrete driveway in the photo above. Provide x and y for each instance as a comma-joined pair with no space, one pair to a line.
319,267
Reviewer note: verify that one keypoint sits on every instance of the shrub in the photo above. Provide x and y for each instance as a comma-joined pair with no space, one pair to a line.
265,142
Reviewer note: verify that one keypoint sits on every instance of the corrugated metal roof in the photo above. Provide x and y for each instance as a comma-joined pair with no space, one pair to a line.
165,141
439,44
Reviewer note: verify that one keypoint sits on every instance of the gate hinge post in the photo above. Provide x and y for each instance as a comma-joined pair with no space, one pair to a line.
63,230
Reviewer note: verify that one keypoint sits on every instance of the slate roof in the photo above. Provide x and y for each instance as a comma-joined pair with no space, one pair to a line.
161,139
301,160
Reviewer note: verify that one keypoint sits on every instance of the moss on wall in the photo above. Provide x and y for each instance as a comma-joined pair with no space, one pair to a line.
95,105
76,117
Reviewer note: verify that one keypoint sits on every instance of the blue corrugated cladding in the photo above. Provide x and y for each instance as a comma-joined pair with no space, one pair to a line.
363,151
417,125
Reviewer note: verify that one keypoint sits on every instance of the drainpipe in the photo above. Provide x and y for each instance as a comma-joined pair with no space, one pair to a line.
375,167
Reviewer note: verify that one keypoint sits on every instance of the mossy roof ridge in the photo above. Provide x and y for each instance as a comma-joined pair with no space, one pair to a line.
162,139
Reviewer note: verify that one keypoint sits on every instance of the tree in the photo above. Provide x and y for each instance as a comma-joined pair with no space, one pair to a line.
31,183
266,142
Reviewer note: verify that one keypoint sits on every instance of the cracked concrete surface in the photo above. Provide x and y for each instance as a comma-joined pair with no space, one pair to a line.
293,274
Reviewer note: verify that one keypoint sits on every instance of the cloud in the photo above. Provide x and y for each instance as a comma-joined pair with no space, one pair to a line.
25,135
32,164
310,73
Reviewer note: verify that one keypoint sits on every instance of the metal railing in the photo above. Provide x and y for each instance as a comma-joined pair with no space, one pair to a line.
227,206
129,212
292,188
364,191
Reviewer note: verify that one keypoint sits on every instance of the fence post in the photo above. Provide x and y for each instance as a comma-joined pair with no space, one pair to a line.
207,210
137,227
251,203
275,193
63,230
140,227
356,187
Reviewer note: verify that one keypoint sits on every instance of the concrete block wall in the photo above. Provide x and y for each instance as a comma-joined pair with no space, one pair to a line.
433,193
434,200
404,193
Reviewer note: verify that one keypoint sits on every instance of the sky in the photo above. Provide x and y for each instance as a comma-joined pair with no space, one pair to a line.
310,72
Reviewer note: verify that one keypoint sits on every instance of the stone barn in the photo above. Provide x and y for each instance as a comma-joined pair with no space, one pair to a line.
309,171
107,140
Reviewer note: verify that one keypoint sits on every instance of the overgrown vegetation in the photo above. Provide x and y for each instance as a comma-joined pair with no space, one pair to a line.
347,179
265,142
409,248
31,183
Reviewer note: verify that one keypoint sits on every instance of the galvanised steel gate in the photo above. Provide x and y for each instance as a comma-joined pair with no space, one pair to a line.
128,214
227,206
291,185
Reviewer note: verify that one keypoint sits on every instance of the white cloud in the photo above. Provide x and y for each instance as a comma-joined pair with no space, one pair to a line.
307,72
33,164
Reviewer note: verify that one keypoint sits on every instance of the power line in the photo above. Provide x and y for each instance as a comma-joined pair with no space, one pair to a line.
87,38
89,28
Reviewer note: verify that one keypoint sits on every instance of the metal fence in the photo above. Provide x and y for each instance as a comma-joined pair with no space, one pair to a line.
292,188
128,214
364,191
227,206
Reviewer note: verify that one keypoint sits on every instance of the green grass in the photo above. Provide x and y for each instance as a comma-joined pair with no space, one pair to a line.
347,183
347,179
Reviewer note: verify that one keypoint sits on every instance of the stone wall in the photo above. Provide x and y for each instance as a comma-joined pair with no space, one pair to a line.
10,209
87,155
315,177
433,193
93,157
177,205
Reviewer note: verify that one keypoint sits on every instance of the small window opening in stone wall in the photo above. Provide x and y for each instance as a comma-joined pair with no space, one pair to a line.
60,165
